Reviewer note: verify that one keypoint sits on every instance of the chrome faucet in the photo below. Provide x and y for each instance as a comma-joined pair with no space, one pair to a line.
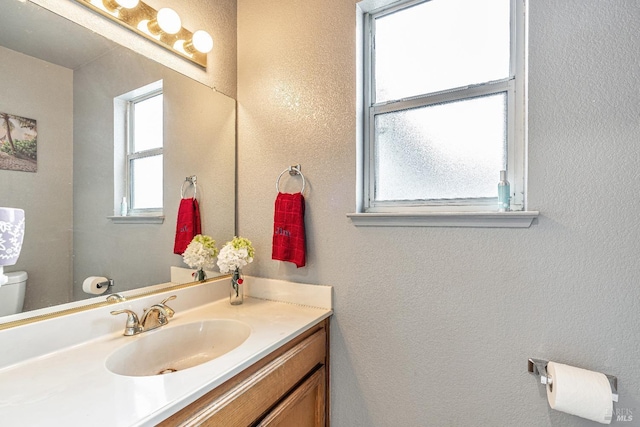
155,316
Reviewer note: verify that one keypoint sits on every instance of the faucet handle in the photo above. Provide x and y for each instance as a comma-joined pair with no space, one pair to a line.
170,311
172,297
133,324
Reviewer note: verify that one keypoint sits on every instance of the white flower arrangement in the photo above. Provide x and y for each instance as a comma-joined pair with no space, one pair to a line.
201,252
235,255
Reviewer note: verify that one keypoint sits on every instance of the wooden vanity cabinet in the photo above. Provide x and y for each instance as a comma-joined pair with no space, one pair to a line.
287,388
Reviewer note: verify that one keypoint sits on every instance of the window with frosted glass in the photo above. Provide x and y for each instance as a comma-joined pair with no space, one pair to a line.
145,157
443,151
441,103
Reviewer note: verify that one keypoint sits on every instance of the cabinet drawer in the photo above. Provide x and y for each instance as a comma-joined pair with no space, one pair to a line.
304,407
248,396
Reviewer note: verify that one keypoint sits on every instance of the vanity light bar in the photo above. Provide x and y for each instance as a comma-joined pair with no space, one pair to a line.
163,27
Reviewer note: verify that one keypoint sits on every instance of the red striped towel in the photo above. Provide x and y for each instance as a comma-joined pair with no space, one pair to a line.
288,229
187,225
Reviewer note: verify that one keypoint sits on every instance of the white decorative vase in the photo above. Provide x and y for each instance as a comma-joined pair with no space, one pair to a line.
11,235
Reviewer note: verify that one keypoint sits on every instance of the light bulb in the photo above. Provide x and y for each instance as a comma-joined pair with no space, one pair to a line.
169,20
128,4
115,5
202,41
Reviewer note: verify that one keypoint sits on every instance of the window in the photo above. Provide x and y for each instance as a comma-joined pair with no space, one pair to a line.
444,105
144,153
138,155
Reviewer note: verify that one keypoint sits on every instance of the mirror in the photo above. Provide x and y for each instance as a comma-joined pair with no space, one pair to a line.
66,78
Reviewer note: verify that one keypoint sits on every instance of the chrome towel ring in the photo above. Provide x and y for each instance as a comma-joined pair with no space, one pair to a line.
293,171
192,180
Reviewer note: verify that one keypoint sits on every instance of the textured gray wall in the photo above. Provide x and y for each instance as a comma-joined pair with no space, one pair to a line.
433,326
26,90
199,135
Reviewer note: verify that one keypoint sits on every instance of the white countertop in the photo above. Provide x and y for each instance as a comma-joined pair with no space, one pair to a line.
72,387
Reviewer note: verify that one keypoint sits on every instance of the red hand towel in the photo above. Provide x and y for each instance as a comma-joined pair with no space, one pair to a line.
288,229
197,229
188,224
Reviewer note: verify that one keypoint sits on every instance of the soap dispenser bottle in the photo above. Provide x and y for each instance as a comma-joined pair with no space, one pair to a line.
504,193
123,207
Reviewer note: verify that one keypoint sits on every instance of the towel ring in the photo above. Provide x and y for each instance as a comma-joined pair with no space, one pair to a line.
189,180
293,171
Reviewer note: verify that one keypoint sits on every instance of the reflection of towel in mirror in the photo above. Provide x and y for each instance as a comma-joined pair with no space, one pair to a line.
288,229
188,224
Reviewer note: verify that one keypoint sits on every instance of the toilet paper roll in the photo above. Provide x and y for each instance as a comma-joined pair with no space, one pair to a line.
580,392
90,285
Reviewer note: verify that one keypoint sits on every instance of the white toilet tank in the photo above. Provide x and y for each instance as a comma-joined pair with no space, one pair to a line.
12,293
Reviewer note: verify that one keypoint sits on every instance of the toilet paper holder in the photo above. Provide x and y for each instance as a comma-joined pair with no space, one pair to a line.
109,284
538,367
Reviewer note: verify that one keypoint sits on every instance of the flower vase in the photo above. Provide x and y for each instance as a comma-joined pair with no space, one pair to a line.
236,293
199,275
11,235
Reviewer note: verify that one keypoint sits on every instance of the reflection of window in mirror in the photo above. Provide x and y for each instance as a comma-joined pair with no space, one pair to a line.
138,150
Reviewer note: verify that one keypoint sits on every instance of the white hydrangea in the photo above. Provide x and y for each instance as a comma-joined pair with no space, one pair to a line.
231,258
201,252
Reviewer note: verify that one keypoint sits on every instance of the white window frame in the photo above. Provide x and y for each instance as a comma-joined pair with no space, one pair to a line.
132,155
371,212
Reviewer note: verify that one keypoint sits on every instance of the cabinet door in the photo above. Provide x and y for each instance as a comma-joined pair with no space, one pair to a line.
243,400
304,407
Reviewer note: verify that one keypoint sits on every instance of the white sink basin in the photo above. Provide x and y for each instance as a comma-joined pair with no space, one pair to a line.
170,349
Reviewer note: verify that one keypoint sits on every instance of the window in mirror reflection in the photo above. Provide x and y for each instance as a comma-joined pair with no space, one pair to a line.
144,152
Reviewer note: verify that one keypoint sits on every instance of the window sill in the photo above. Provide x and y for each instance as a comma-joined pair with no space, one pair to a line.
516,219
137,219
